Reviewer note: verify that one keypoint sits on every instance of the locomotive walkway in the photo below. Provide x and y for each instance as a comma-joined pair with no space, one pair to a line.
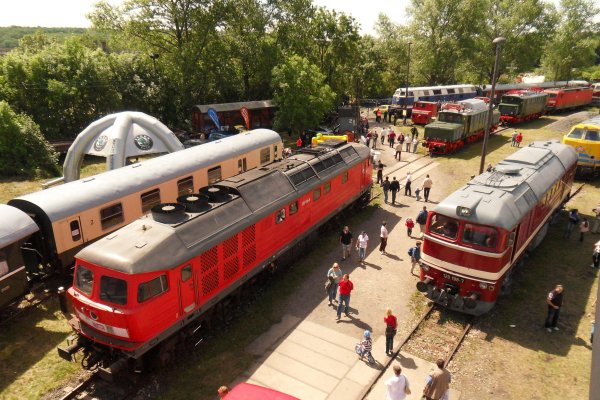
309,354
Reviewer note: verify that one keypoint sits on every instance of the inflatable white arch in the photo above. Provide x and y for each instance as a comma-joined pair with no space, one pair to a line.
117,137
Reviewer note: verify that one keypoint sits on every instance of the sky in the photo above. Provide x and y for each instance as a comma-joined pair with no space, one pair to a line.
71,13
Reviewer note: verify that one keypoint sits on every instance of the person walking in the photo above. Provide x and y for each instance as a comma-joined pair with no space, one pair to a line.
401,138
391,137
422,219
554,301
346,242
415,256
584,228
410,224
391,325
394,188
386,188
407,141
383,237
361,244
397,387
519,139
383,136
414,132
595,228
438,382
398,151
380,172
374,137
427,184
573,222
334,275
407,183
346,286
513,139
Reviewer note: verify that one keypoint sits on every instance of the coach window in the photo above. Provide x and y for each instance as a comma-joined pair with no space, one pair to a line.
185,186
443,226
111,216
480,235
345,177
186,273
214,175
3,264
150,199
152,288
316,194
327,188
280,216
293,208
75,231
265,155
113,290
84,280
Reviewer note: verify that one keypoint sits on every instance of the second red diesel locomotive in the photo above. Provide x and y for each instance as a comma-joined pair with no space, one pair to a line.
475,236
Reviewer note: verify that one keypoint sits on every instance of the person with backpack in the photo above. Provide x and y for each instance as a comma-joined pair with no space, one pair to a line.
415,256
422,219
410,224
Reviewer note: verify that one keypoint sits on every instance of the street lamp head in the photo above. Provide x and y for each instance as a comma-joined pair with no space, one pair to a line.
499,40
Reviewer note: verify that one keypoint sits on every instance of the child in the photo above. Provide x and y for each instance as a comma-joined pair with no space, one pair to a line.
418,193
366,345
409,226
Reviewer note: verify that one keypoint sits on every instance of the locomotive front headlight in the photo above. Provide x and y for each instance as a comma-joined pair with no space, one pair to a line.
463,211
482,286
491,287
425,267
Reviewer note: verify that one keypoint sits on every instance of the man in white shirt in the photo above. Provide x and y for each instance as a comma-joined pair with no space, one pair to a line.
407,142
361,245
384,237
397,386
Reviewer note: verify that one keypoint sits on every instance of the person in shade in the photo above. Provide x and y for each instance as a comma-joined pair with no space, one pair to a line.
346,242
346,286
554,301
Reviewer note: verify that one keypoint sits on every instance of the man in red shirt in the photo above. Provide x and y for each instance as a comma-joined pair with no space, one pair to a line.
345,287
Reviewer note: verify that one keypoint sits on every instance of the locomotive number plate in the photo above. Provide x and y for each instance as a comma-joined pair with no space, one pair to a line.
453,278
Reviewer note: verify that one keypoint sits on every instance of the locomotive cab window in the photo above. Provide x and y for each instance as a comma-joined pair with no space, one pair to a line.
345,177
280,216
111,216
443,226
316,194
477,235
113,290
152,288
186,273
185,186
214,175
577,133
327,188
265,155
84,280
592,136
150,199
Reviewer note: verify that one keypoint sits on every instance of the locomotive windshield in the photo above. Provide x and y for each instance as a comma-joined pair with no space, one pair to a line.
582,133
84,280
450,117
483,236
511,100
444,226
113,290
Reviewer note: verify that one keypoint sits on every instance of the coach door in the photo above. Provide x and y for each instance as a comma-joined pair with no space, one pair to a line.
242,165
187,301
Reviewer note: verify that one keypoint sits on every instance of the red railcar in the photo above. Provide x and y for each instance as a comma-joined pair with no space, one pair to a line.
565,98
476,235
156,278
424,112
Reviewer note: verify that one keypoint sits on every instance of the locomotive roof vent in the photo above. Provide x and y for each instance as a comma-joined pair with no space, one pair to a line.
195,203
215,193
508,169
169,213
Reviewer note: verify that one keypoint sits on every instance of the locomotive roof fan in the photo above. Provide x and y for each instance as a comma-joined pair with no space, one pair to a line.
169,213
195,203
215,193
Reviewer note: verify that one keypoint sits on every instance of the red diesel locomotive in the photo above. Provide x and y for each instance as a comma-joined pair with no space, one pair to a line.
156,278
475,236
566,98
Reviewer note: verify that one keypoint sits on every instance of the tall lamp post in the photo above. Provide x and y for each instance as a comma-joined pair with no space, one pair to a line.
498,42
406,91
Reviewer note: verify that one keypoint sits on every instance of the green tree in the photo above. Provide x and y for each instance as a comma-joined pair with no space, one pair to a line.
574,42
24,150
301,95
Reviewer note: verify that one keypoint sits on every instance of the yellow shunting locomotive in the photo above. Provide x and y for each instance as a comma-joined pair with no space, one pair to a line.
585,138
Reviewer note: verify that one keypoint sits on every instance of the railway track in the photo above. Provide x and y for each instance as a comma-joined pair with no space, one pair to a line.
437,334
19,308
94,387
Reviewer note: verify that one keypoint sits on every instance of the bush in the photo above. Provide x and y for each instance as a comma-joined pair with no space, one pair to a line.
23,150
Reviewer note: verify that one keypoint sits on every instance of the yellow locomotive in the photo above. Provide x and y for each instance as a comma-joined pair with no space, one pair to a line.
585,138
